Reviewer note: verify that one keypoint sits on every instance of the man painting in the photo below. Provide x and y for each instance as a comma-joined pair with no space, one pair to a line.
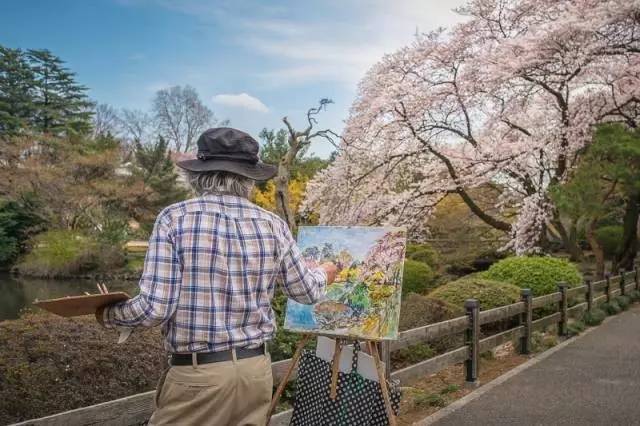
209,277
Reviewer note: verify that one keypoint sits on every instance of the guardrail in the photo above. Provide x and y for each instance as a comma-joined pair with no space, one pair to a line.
137,409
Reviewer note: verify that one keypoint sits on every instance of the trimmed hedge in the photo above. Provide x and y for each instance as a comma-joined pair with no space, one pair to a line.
417,277
610,238
417,311
423,253
490,294
540,274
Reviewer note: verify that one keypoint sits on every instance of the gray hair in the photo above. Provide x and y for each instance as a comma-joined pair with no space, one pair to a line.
209,183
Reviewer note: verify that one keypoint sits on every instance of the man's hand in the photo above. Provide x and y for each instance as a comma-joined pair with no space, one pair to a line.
331,270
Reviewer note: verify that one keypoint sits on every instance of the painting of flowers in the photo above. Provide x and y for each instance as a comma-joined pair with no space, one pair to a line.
364,301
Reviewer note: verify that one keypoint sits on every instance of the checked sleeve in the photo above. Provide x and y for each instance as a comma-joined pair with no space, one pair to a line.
159,284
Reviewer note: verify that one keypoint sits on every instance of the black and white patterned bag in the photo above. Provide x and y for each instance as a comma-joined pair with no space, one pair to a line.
359,401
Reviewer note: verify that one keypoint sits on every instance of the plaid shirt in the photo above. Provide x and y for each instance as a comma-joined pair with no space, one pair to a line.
210,274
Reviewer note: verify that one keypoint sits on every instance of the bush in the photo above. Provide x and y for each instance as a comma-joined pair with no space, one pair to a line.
575,327
540,274
634,295
417,311
611,308
609,237
61,253
594,317
490,294
417,277
542,341
623,301
423,253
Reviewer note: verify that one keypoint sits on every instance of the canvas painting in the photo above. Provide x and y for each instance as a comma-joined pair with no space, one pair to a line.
364,301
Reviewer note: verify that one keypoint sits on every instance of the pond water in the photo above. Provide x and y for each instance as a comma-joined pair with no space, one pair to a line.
18,293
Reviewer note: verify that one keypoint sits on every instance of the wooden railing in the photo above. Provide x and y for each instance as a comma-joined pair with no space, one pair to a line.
138,408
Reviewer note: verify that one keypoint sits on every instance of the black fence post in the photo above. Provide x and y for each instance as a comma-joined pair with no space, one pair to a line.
563,305
635,277
526,321
622,283
607,289
589,285
472,307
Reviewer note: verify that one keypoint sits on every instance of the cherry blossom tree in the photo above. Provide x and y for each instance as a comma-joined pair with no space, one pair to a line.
507,99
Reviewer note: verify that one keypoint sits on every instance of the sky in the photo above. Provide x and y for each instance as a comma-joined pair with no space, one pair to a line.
357,240
252,62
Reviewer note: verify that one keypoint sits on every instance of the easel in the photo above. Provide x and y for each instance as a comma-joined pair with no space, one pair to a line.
373,347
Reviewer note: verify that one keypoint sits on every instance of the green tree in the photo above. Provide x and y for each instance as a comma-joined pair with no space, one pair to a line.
606,181
61,103
153,165
19,220
16,91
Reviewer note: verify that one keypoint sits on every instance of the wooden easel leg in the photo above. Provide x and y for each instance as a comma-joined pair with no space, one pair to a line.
334,370
285,379
383,383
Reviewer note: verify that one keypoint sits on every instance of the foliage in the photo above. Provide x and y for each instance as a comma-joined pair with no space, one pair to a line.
575,327
413,354
540,274
542,341
19,220
159,180
430,400
634,295
423,253
594,317
490,294
623,301
610,238
61,253
611,308
417,311
38,92
417,277
266,197
497,100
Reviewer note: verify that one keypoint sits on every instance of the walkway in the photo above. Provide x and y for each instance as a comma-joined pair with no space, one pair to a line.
592,381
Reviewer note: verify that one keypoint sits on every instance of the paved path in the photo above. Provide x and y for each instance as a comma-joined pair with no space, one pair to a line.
592,381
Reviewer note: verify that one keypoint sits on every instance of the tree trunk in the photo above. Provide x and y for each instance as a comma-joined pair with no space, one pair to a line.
625,258
283,205
568,240
595,248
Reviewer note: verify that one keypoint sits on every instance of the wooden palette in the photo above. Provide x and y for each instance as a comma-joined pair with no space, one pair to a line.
73,306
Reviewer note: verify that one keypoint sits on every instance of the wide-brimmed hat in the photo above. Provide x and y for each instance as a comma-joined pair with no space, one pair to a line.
225,149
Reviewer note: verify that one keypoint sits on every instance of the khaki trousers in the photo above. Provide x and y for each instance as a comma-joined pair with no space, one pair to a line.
221,393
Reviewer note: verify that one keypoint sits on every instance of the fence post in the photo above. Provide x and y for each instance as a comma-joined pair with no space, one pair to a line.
472,307
526,321
607,289
622,284
635,277
563,305
589,285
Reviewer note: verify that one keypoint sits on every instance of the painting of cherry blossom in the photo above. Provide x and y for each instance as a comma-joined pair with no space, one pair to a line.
364,301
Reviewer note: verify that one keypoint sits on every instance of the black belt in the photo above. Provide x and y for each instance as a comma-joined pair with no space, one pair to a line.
209,357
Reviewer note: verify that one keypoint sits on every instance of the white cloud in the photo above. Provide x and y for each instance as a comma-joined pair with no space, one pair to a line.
241,100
